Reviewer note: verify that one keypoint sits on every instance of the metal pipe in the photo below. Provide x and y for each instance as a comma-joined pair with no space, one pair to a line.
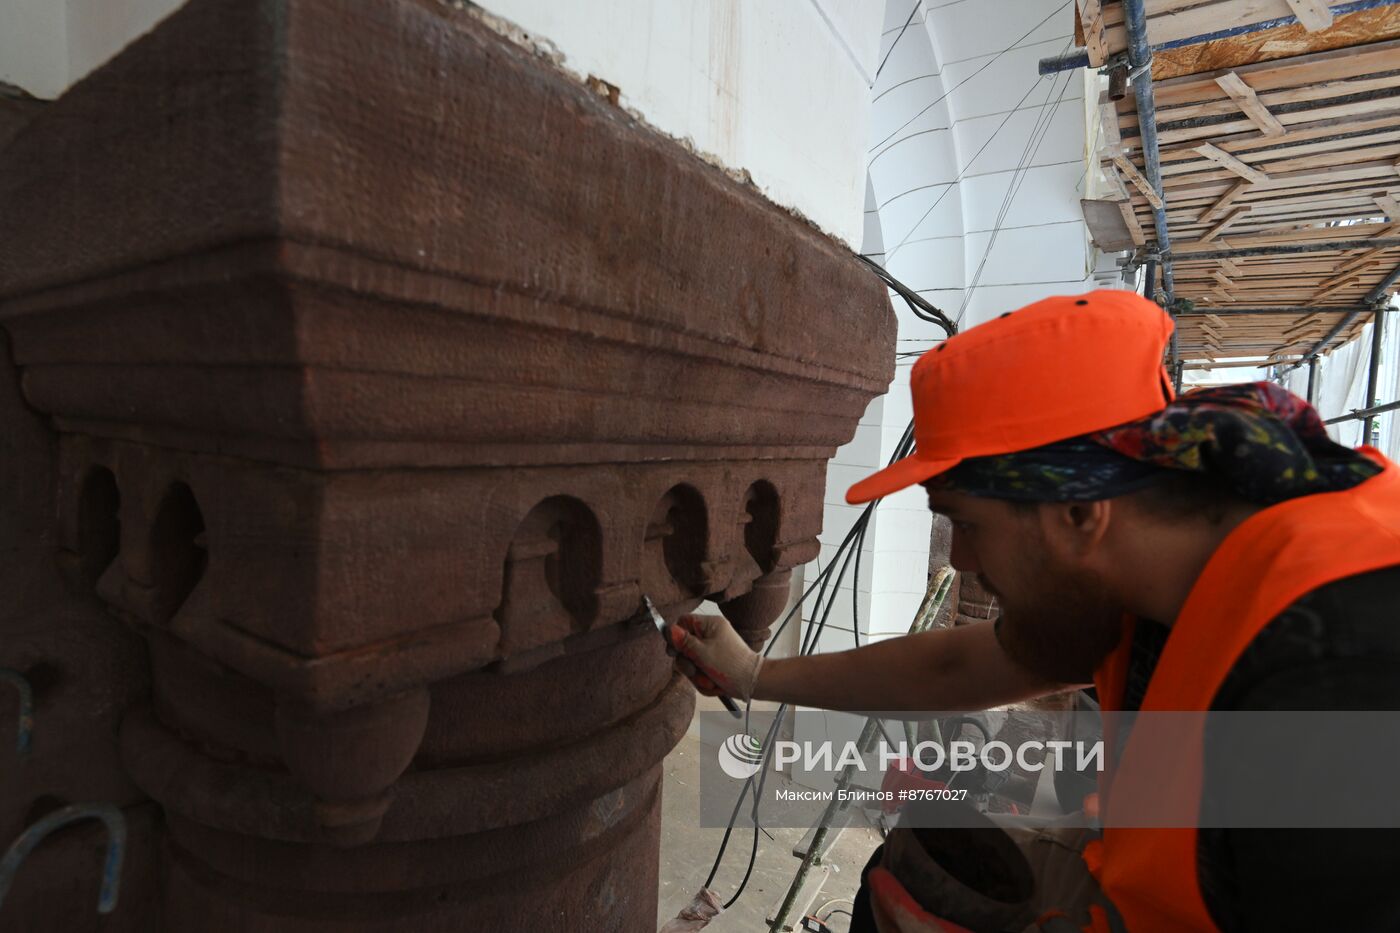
24,736
1140,58
1373,298
111,866
1359,97
1282,249
1151,274
1079,58
1364,413
1312,380
1202,310
1373,372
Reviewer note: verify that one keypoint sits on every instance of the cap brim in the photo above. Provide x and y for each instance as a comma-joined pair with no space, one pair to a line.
898,475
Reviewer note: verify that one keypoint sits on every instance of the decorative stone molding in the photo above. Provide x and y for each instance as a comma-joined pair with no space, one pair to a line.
388,368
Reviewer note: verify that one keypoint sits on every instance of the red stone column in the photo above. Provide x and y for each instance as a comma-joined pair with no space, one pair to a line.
386,369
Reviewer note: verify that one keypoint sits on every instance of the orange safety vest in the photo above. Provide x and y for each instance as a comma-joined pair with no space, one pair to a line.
1272,559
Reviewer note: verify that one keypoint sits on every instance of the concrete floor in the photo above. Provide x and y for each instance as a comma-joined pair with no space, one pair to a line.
687,852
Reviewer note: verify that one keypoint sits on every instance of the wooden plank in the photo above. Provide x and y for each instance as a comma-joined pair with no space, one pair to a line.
1196,21
1313,14
1108,225
1239,188
1355,110
1302,179
1229,218
1357,28
1387,203
1243,95
1130,171
1225,160
1222,279
1236,364
1311,69
1108,118
1309,139
1091,18
1131,222
1345,283
1230,268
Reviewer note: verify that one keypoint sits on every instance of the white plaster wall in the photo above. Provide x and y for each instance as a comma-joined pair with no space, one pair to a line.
34,46
959,118
47,45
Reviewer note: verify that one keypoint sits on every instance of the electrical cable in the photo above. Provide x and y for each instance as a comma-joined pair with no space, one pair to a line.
1018,177
984,67
923,310
823,606
970,162
890,50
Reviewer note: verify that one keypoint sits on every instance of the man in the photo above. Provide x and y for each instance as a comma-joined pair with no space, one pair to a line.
1213,552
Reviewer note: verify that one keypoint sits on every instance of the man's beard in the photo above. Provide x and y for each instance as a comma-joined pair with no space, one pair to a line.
1064,632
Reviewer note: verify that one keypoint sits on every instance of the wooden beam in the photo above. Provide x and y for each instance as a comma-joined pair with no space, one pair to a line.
1313,14
1230,268
1130,171
1091,17
1108,119
1131,222
1229,218
1345,283
1237,189
1387,203
1243,95
1226,161
1220,277
1236,364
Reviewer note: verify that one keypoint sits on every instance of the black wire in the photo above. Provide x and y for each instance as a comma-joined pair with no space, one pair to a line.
855,536
950,90
890,50
918,304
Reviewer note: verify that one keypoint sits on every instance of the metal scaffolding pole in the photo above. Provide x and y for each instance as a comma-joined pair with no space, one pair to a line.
1364,413
1373,372
1374,298
1286,249
1312,380
1140,63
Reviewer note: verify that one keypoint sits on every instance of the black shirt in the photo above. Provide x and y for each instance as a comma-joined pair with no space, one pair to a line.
1337,648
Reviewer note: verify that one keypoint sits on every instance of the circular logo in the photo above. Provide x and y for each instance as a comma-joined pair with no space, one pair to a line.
741,756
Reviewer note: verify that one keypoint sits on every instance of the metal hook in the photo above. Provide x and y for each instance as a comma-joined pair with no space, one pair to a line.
111,866
26,709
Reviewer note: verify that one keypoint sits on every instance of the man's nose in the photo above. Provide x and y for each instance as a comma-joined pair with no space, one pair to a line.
961,556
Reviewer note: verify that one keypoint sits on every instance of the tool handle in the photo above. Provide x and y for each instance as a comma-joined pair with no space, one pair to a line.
732,707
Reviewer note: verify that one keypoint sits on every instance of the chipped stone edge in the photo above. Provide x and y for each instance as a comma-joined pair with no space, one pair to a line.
544,49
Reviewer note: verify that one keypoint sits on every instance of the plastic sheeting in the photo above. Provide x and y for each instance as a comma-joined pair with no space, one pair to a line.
1341,387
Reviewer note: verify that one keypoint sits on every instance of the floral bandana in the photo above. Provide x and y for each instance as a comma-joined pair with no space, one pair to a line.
1263,443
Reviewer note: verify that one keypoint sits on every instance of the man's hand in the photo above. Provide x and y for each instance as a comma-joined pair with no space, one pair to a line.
714,657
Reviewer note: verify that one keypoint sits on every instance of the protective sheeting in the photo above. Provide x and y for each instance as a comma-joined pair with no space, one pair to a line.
1341,387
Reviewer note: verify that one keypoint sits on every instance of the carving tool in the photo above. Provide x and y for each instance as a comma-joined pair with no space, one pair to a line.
663,628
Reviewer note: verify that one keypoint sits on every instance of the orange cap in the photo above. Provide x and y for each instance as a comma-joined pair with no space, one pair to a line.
1055,369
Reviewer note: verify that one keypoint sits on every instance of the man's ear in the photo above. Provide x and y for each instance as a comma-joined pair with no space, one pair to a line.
1078,529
